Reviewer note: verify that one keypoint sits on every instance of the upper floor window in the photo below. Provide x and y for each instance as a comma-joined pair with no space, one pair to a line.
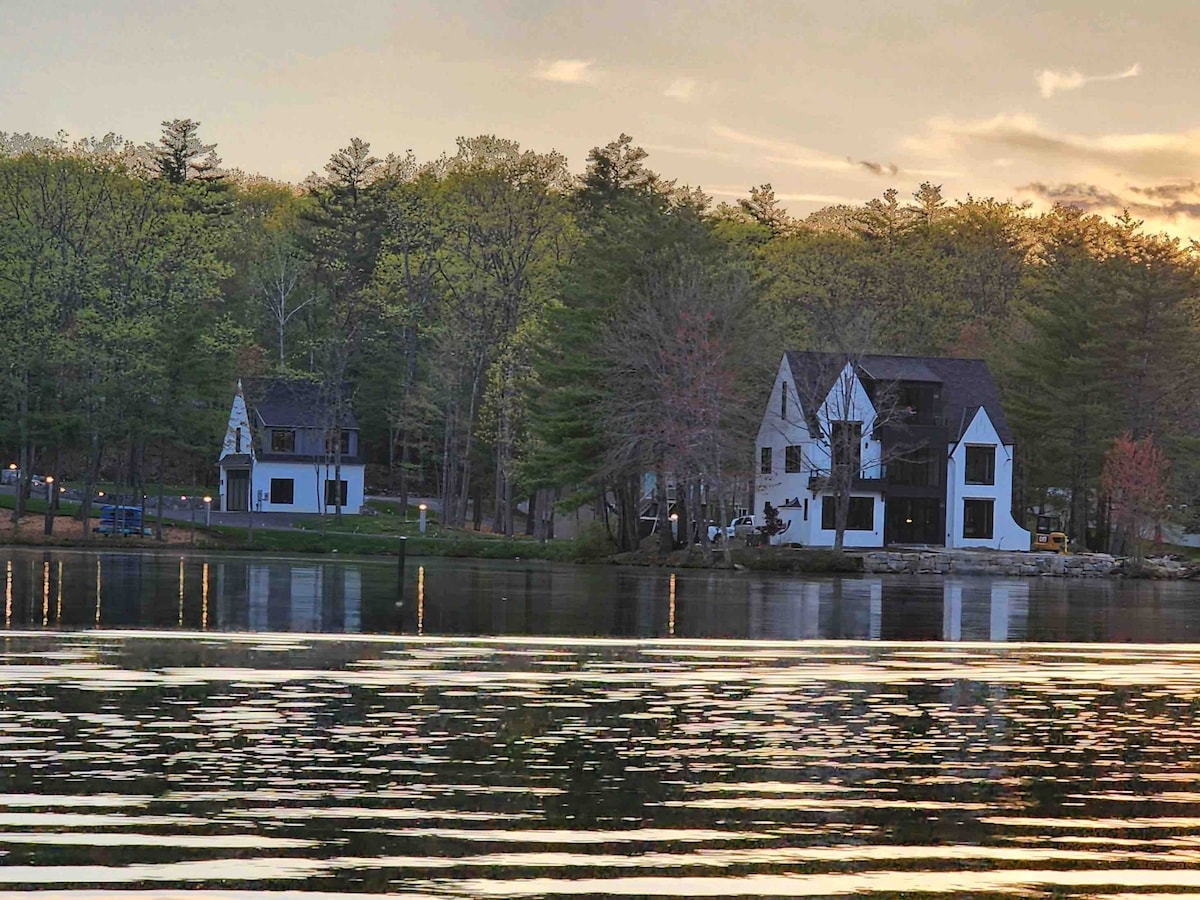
283,441
981,464
846,438
765,461
344,437
917,468
237,441
783,402
793,458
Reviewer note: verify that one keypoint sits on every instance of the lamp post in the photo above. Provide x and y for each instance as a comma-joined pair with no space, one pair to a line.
207,511
422,520
50,497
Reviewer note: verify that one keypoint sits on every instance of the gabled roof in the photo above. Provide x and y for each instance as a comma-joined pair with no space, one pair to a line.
292,403
966,384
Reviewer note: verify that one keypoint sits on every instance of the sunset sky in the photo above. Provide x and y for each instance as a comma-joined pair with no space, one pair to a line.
1091,102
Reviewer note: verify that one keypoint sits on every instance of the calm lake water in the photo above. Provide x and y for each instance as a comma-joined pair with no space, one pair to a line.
618,734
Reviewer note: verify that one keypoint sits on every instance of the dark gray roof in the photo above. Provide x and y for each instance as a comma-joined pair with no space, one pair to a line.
966,383
235,461
292,403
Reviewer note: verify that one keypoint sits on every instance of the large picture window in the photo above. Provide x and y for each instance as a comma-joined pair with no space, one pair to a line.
283,490
793,458
860,517
764,461
283,441
335,493
977,518
981,464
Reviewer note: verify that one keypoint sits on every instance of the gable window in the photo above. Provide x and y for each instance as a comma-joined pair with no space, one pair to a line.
283,441
977,518
783,402
335,493
764,463
283,490
860,516
793,458
237,441
981,464
846,438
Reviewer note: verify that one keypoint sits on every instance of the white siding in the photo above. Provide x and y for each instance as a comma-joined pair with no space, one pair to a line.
1006,533
308,489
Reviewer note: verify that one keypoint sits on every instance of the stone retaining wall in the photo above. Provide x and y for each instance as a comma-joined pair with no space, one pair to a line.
983,562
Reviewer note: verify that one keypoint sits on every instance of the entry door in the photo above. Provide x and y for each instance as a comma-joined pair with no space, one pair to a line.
237,490
913,520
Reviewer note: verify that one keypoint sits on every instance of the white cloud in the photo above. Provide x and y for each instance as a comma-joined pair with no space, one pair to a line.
786,153
566,71
1051,82
823,199
681,89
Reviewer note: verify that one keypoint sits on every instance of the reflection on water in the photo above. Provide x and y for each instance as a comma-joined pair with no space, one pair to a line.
451,767
70,589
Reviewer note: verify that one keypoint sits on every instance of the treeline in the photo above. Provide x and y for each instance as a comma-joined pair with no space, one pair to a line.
515,332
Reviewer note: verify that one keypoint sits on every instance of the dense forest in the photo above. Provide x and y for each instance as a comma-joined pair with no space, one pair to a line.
511,332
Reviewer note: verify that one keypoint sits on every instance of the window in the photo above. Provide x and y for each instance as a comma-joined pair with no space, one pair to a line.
847,445
283,490
793,458
237,445
335,493
977,518
765,461
283,442
783,402
345,441
861,516
981,465
919,468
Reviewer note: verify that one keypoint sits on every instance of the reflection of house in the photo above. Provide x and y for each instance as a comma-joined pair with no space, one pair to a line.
927,439
287,596
279,451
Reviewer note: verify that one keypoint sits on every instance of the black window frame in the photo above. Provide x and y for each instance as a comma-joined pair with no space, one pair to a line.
971,473
278,442
783,402
972,528
793,459
859,517
344,435
278,484
765,461
854,445
329,482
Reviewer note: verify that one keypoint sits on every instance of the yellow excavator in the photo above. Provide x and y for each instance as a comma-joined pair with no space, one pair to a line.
1049,535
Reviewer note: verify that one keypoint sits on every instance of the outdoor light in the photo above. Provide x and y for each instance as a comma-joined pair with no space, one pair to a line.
49,479
100,494
12,465
421,521
207,510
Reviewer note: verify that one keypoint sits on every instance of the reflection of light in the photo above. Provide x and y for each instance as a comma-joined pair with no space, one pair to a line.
8,594
204,599
420,600
97,590
58,605
45,593
181,592
671,608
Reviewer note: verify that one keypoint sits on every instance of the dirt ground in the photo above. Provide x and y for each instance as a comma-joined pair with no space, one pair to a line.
69,530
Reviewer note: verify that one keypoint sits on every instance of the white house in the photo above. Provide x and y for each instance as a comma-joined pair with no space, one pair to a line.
279,452
926,436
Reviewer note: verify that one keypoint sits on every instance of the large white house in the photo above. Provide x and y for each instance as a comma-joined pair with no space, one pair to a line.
926,437
279,452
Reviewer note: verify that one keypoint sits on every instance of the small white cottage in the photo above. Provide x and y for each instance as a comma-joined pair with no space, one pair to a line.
280,454
927,439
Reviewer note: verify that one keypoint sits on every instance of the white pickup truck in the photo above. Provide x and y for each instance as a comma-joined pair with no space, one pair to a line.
740,527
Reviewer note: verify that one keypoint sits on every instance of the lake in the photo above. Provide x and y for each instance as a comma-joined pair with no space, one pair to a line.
543,731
